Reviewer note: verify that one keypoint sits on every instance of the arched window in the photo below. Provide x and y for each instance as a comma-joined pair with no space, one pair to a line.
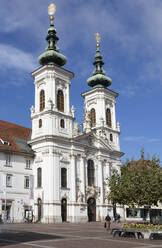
39,177
40,123
108,117
90,172
63,177
62,123
42,100
111,137
93,117
60,101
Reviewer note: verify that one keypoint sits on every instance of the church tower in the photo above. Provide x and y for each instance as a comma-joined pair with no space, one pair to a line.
52,123
51,114
100,103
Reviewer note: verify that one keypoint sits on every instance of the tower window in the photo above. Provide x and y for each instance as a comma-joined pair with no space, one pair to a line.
40,123
108,118
39,177
93,117
90,172
62,123
63,177
60,101
111,137
42,100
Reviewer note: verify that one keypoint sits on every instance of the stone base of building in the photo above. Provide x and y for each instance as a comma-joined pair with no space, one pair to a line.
73,212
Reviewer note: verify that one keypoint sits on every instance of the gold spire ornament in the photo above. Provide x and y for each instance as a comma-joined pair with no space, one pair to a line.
97,38
51,11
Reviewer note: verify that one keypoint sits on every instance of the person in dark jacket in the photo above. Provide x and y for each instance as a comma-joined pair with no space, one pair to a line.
108,222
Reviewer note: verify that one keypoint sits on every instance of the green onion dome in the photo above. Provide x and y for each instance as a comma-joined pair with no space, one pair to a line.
99,79
52,56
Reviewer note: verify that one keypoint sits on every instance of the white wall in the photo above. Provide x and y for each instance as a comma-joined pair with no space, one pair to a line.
16,195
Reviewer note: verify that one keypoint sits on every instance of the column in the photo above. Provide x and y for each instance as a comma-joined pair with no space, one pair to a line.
68,99
82,176
100,179
73,178
86,174
107,172
107,164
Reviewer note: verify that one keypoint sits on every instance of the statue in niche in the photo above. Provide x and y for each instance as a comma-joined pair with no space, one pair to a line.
50,104
93,191
80,196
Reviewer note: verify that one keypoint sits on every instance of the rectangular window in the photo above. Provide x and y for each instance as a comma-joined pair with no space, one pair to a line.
26,182
39,177
8,180
28,165
133,213
8,160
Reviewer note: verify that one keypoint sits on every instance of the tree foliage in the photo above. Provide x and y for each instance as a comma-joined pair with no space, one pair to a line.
138,184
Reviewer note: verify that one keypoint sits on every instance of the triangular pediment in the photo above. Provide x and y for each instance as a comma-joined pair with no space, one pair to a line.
93,140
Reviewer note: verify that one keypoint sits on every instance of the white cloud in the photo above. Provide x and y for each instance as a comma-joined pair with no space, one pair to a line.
135,26
13,58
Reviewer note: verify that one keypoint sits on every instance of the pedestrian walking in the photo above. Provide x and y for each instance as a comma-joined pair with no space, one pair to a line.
108,222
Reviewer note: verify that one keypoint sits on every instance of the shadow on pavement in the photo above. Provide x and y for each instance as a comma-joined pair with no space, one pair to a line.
10,237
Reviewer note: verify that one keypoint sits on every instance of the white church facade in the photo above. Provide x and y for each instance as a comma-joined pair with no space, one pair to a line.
70,166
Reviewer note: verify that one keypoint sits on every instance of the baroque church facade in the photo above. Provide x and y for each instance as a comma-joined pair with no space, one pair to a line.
70,166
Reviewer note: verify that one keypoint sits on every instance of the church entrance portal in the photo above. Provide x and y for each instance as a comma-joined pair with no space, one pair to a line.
91,209
64,210
39,209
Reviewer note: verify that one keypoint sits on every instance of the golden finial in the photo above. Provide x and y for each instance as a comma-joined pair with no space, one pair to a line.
51,11
98,39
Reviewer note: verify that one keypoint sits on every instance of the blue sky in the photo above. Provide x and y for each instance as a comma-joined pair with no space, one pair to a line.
131,46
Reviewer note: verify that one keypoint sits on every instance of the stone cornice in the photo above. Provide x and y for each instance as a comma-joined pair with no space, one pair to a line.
113,93
71,142
51,112
57,69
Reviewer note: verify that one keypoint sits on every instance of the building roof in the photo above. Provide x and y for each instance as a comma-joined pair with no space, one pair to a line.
14,137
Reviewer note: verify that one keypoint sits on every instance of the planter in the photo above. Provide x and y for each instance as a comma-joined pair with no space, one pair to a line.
145,233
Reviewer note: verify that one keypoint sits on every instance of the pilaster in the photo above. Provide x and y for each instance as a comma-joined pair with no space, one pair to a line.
73,176
100,178
82,175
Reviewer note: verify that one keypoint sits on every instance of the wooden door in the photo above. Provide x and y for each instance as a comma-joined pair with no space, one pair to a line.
91,209
64,210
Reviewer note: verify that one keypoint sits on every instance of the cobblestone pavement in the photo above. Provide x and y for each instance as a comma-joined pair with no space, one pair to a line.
90,235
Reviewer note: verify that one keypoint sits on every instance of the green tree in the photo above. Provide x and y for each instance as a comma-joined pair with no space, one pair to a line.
138,184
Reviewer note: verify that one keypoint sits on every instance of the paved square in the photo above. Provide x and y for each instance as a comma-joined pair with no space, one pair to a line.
90,235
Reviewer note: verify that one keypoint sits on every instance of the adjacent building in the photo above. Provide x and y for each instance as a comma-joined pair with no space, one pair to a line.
16,162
